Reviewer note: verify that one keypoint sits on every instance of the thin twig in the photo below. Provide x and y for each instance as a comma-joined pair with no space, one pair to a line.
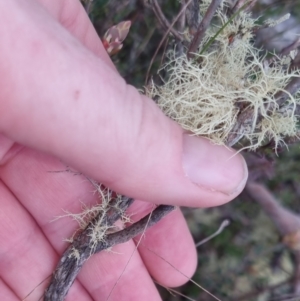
203,27
292,88
181,28
244,122
296,61
163,39
163,20
286,221
130,232
242,126
224,224
182,19
193,17
181,273
241,3
24,299
286,50
206,46
129,260
164,53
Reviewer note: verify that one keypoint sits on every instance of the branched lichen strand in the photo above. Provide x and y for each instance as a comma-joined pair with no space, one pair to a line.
206,95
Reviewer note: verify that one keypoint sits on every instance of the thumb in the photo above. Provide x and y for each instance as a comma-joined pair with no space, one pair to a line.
60,98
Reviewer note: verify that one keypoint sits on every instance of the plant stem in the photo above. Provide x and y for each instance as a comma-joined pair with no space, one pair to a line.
163,20
203,27
82,247
78,252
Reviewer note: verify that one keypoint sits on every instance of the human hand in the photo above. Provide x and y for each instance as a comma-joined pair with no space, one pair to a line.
61,95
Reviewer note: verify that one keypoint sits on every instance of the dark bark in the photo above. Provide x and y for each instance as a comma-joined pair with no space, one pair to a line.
82,247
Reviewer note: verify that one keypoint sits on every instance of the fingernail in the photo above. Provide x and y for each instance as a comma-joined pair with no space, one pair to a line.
213,167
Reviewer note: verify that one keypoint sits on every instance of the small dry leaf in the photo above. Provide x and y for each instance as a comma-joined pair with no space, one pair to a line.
114,37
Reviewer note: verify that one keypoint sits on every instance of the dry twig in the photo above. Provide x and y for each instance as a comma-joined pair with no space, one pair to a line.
164,37
78,252
163,20
240,3
286,221
244,122
203,27
82,247
292,87
286,50
182,19
193,16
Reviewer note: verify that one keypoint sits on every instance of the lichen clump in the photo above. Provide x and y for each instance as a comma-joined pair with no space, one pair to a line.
206,94
98,227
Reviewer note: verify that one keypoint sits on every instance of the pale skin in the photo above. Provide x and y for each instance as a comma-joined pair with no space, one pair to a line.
62,100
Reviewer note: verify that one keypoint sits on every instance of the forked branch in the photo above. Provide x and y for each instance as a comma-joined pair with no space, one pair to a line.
83,247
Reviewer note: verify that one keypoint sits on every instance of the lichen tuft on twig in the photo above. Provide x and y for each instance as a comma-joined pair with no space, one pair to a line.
208,93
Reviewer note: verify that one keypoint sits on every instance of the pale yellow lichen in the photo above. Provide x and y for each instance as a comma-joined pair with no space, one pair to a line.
273,23
99,228
206,94
75,254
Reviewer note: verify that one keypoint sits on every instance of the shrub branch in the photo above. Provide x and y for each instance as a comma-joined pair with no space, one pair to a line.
205,23
163,20
83,245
